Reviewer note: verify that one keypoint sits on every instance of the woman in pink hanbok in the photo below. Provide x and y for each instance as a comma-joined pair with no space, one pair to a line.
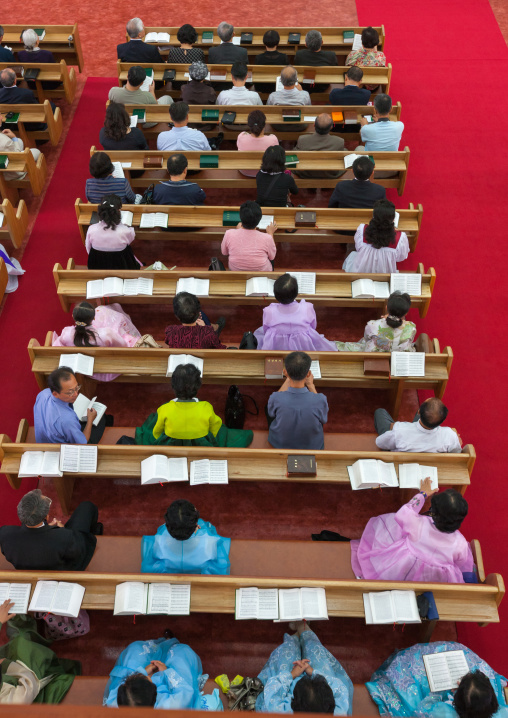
407,546
290,325
104,326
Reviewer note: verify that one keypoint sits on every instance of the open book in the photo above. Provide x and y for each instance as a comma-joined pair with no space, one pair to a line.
372,473
367,288
198,287
259,287
177,359
149,220
209,471
118,172
315,368
357,42
148,79
407,364
349,159
57,597
79,363
135,597
126,217
39,463
259,603
117,287
306,282
82,404
410,283
411,475
19,593
159,468
78,458
265,221
157,37
445,670
391,607
295,604
140,285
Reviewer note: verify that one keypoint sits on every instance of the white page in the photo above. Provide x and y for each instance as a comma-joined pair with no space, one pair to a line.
411,475
396,219
141,285
154,469
410,283
148,79
80,405
200,472
407,364
349,159
134,120
265,221
151,37
67,599
357,42
354,479
126,217
367,609
130,598
43,596
87,459
259,285
279,87
180,599
163,37
438,673
381,290
247,603
362,288
94,289
154,219
290,604
406,608
113,287
457,665
198,287
51,464
19,593
236,40
69,458
268,607
79,363
315,368
2,217
306,282
387,473
368,471
118,171
178,469
175,360
31,463
313,603
76,458
382,607
159,598
218,471
309,118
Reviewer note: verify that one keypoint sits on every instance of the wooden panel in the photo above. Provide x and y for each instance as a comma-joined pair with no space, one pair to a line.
62,40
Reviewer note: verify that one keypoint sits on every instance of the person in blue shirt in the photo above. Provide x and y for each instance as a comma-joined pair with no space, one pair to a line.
182,137
178,190
6,55
382,135
185,544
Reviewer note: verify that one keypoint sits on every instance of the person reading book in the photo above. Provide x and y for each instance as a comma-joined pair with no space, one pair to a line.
274,182
410,546
296,413
185,544
102,183
103,326
290,325
301,675
195,330
187,421
117,133
160,673
197,91
254,138
403,680
368,55
43,545
389,333
108,241
185,52
248,249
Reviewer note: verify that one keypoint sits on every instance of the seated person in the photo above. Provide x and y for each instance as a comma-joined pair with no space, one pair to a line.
296,413
182,137
132,94
391,333
361,192
351,93
178,189
301,675
290,325
187,421
10,143
274,182
11,94
34,672
32,52
185,544
161,673
197,91
103,183
102,326
6,55
108,242
185,53
291,93
193,332
227,52
407,546
41,545
320,141
382,135
239,94
249,249
368,55
479,692
379,246
423,434
136,50
271,56
117,133
313,54
254,139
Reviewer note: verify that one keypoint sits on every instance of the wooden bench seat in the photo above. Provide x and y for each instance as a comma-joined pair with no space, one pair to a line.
333,289
34,179
36,113
62,40
50,72
206,222
15,222
228,174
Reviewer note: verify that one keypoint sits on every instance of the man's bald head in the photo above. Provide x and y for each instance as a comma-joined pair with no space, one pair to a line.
8,77
288,76
323,123
433,412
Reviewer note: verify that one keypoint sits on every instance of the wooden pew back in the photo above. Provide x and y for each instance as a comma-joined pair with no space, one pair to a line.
36,113
35,174
15,221
62,40
50,72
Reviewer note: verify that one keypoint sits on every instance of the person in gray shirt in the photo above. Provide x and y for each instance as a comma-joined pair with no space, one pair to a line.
239,94
132,94
292,93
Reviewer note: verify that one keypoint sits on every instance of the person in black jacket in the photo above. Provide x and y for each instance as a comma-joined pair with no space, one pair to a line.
271,56
226,52
361,192
37,545
136,50
272,181
351,93
313,54
11,94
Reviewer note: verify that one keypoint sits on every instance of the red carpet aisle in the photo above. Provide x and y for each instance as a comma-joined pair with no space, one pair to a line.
445,54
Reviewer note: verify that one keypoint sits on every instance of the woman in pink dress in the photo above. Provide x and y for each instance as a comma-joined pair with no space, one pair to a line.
406,546
255,139
290,325
104,326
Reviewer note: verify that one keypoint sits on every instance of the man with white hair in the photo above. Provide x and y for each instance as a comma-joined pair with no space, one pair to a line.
32,51
43,545
136,50
291,93
227,52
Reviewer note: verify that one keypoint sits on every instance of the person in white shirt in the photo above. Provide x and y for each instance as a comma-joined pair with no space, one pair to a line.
239,94
182,137
10,143
424,434
292,93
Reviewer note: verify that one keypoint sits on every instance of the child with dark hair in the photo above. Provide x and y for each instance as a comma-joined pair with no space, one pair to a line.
185,544
194,332
108,242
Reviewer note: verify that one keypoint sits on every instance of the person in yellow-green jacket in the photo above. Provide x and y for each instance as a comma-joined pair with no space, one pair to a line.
187,421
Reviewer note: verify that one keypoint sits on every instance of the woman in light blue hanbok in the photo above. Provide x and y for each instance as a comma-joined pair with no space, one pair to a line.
400,686
163,673
181,545
302,675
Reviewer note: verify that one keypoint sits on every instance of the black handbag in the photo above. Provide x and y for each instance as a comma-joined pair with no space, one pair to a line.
234,412
147,197
216,265
249,341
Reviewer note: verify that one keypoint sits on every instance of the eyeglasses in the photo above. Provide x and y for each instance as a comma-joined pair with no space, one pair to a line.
76,390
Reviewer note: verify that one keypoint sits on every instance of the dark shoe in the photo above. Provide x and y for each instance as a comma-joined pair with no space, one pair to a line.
329,536
290,231
221,323
99,529
215,142
110,419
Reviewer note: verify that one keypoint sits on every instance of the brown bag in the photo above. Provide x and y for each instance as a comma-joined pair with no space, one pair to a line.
146,342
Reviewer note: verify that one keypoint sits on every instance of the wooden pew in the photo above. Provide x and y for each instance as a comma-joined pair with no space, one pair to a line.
228,174
62,40
37,113
333,289
15,222
34,179
4,278
50,72
259,462
207,221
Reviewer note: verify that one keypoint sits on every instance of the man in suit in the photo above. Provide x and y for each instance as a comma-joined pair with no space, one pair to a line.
40,545
6,55
313,54
11,94
226,53
136,50
320,141
351,93
361,192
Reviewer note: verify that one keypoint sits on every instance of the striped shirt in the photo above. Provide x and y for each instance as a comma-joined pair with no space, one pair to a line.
98,188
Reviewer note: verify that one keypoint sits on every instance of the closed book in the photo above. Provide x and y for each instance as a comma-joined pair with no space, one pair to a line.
376,367
41,32
32,73
140,114
350,118
209,161
4,161
228,118
291,115
291,160
152,162
305,219
169,75
337,117
348,36
230,219
209,114
11,117
294,38
273,368
301,465
246,38
207,38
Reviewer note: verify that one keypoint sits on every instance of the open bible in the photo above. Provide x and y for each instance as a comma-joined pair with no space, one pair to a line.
259,287
367,288
160,468
177,359
135,597
295,604
371,474
117,287
198,287
57,597
79,363
40,463
391,607
411,475
258,603
445,669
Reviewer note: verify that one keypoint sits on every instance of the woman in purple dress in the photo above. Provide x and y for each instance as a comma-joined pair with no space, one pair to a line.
290,325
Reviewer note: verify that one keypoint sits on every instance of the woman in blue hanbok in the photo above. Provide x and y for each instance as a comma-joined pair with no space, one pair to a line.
400,686
182,545
302,675
162,673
